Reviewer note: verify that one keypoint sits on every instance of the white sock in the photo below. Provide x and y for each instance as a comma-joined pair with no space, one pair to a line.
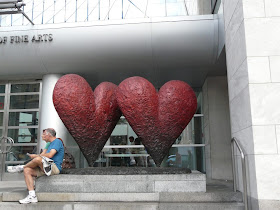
32,193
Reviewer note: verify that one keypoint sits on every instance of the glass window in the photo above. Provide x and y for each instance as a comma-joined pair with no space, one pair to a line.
19,88
2,88
23,118
175,9
185,157
118,140
2,98
1,118
24,102
18,153
23,135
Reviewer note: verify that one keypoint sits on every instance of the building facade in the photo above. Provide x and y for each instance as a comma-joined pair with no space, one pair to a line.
228,51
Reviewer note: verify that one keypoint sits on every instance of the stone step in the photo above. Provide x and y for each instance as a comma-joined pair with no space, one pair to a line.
120,206
128,197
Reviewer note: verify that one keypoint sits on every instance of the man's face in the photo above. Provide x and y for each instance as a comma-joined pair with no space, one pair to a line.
45,136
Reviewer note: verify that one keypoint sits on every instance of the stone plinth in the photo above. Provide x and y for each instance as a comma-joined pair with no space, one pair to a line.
125,183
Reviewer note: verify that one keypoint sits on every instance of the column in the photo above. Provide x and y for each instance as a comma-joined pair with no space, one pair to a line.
48,115
216,126
252,31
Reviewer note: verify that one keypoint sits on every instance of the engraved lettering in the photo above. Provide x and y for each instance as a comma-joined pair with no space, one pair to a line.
25,39
40,38
50,37
17,39
45,37
12,38
33,38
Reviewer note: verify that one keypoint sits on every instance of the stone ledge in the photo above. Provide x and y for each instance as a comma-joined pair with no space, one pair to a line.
152,183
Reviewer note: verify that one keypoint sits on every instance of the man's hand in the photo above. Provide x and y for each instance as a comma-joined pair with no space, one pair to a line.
32,155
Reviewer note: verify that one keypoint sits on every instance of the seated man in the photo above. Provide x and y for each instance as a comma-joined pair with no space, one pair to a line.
34,168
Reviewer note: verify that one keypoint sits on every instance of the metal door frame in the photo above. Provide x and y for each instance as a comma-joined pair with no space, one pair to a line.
5,127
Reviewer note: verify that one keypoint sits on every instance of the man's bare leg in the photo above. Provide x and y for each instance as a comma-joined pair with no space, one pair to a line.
30,172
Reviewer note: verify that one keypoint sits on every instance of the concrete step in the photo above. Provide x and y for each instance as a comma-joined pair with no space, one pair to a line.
128,197
120,206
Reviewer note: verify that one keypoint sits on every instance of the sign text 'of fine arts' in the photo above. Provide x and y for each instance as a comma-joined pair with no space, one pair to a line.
26,39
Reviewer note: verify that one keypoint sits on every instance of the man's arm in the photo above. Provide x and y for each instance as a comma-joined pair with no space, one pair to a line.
44,151
46,148
50,154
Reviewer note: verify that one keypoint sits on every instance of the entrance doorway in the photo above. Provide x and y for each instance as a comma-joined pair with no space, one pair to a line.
19,120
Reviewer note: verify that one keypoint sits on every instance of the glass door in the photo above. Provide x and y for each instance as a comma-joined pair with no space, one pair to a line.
3,97
20,121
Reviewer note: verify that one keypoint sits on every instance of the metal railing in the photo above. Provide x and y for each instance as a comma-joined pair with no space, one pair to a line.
244,177
3,151
59,11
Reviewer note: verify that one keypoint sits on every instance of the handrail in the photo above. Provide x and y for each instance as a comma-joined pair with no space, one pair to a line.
11,142
244,177
2,153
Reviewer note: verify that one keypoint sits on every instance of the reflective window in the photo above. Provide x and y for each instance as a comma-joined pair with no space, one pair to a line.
18,153
24,102
1,118
23,118
2,88
20,125
185,157
2,99
23,135
19,88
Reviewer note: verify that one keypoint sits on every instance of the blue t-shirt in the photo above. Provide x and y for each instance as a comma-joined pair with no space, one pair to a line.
59,155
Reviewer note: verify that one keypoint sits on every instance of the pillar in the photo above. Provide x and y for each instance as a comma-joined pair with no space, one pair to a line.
252,31
48,115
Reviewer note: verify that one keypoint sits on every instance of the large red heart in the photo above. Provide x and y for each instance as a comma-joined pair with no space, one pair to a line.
157,118
89,116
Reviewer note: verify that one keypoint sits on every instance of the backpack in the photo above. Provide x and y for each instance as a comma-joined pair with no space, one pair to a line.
68,160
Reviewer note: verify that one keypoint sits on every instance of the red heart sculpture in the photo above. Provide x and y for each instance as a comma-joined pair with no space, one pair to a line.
157,118
89,116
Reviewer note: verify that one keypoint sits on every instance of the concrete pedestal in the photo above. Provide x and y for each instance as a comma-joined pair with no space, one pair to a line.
151,183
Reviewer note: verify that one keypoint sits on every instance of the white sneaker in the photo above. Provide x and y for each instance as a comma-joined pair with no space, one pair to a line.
29,199
15,169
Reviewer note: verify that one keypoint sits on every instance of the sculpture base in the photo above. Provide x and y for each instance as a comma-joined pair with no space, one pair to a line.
125,171
123,183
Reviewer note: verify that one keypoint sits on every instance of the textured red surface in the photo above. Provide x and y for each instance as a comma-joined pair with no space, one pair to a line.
158,118
89,116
